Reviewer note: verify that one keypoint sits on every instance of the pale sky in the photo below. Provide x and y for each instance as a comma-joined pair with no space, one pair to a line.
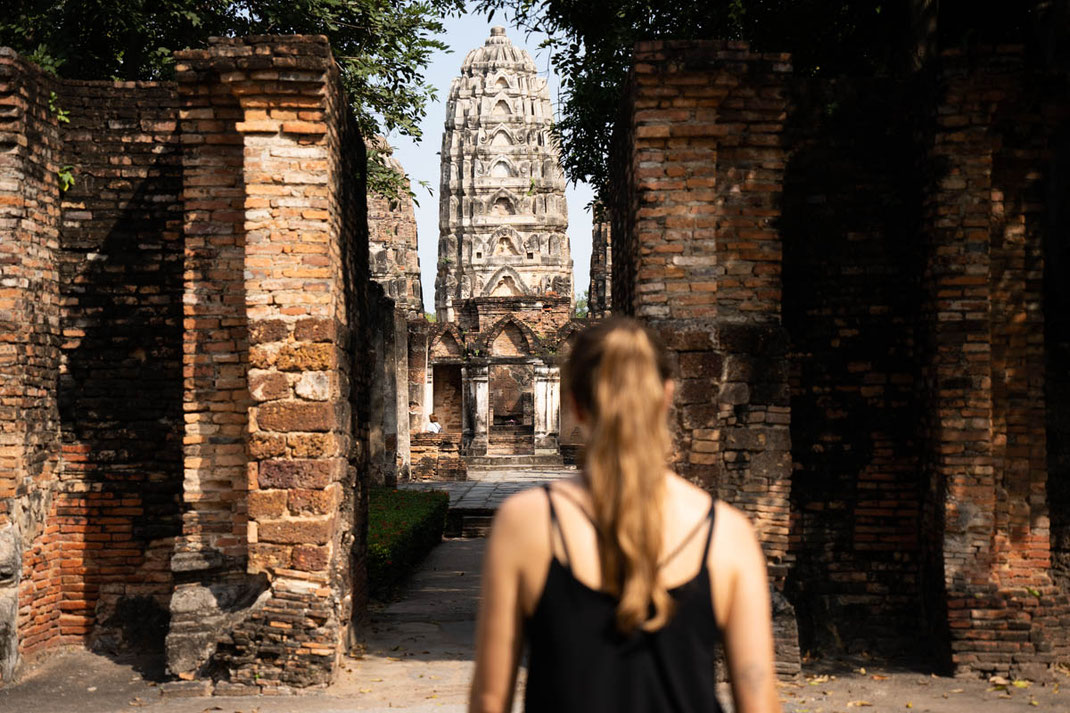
421,161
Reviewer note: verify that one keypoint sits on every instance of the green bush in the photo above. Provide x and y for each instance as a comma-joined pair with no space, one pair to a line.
403,526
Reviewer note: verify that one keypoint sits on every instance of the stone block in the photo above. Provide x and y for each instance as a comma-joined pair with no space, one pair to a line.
314,386
264,504
268,330
313,445
269,386
267,556
306,357
299,473
267,445
315,330
316,531
297,416
310,558
315,502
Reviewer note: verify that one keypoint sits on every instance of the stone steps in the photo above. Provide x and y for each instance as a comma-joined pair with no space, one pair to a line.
493,462
468,522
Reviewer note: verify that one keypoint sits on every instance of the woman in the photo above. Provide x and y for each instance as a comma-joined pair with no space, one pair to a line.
623,581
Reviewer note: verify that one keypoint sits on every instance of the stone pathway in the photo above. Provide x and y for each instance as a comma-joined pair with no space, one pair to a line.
419,654
487,487
418,659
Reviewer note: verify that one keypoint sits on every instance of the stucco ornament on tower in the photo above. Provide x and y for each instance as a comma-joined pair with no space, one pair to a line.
503,219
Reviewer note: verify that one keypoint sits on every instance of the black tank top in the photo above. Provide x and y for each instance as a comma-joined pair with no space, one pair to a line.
578,661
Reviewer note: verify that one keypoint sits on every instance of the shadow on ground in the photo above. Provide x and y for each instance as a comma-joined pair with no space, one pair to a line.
418,658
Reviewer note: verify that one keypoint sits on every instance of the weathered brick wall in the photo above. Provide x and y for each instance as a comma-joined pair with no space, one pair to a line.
698,166
1057,354
447,385
99,570
194,335
850,229
437,456
274,291
544,315
120,386
30,156
985,428
392,243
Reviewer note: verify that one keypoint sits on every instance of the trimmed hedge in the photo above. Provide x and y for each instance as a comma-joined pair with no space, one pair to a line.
403,526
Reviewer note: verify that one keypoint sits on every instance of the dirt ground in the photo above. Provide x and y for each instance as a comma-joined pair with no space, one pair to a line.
418,658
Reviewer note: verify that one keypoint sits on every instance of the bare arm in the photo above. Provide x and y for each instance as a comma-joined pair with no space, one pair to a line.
747,622
499,629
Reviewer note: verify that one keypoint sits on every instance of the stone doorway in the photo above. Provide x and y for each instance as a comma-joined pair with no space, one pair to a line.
446,403
512,410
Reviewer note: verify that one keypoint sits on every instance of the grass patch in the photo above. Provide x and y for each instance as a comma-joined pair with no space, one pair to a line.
403,526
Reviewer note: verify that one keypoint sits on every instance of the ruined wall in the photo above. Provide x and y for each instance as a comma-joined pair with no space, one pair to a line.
917,219
387,397
98,572
30,157
600,292
698,167
850,228
437,456
185,420
392,243
121,237
1057,354
276,274
985,421
544,315
420,401
447,385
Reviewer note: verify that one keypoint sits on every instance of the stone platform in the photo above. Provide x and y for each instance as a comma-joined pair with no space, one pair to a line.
473,501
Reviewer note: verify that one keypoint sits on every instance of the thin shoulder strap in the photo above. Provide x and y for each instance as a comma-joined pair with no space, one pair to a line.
688,538
555,524
709,535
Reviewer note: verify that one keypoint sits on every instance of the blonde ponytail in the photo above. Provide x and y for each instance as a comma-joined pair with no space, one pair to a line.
616,374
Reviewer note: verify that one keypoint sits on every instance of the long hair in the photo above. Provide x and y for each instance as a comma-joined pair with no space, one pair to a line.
616,374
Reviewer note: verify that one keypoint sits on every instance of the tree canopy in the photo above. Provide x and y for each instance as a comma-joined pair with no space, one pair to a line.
591,45
382,46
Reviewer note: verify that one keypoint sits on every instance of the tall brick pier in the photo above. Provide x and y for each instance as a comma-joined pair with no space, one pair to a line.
182,455
859,280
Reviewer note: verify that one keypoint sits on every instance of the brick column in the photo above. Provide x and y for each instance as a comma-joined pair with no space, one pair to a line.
985,427
271,300
30,577
547,398
698,167
476,409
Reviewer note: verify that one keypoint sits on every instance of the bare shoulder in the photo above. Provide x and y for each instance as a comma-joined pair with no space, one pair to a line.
735,541
689,498
733,519
520,512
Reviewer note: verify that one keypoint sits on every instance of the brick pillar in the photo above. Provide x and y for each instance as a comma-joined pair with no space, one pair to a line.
476,409
984,377
417,390
547,398
698,167
271,307
30,579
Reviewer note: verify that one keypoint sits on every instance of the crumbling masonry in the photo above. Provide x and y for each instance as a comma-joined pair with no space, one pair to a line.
184,333
861,284
209,351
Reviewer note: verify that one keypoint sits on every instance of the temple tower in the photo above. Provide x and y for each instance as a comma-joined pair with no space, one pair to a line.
502,213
